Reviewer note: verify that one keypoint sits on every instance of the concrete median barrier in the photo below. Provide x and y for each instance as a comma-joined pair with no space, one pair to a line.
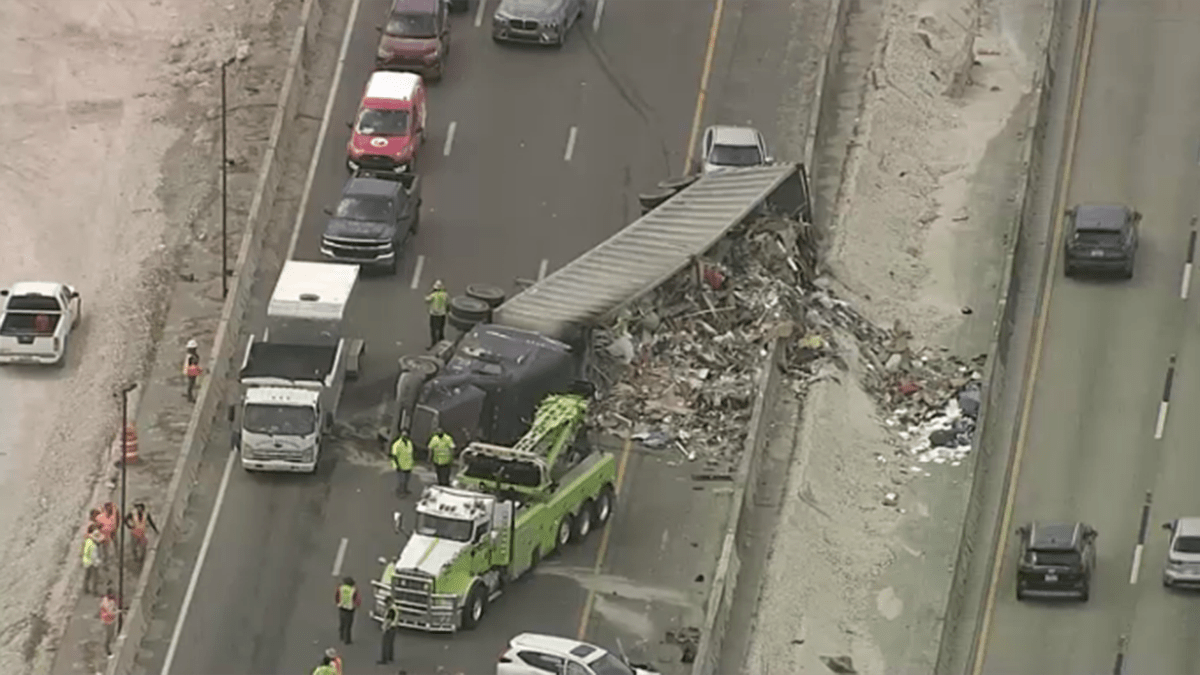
212,396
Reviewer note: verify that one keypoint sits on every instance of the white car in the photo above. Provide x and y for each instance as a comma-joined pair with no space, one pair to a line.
534,654
1183,553
726,147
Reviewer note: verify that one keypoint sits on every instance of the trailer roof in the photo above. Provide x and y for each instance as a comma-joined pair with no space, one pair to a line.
313,290
644,254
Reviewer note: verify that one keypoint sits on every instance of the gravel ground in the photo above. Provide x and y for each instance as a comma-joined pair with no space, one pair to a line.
108,133
916,239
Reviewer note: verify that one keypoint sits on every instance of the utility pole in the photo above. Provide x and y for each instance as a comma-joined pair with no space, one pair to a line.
121,524
224,188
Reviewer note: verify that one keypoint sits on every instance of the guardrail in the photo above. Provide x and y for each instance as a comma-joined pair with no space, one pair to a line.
212,392
968,587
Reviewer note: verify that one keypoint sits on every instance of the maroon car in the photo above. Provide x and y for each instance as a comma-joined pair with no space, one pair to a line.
416,38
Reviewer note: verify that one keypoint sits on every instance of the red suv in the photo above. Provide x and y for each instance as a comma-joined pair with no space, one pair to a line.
416,38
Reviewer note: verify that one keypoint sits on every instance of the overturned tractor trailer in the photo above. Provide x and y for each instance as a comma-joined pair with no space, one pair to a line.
508,509
293,373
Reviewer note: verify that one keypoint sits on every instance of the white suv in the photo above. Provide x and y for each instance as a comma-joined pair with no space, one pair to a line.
726,147
533,654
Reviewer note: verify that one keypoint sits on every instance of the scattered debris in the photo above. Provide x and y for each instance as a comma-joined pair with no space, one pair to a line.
683,361
687,639
839,664
891,499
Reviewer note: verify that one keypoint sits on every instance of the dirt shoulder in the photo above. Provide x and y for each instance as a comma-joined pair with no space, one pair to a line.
109,180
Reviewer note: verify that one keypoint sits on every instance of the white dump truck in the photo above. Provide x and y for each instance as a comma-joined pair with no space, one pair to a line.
293,374
38,318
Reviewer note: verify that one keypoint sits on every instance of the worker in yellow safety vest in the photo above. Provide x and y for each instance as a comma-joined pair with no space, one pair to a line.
347,600
439,303
326,667
402,462
91,562
441,452
334,660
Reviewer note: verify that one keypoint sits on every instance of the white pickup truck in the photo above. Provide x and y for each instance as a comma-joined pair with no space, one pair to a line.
38,318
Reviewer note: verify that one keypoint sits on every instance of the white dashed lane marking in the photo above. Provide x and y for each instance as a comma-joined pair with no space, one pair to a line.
571,136
449,139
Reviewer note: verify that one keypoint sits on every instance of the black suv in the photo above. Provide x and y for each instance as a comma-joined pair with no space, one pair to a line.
376,215
1056,560
1101,238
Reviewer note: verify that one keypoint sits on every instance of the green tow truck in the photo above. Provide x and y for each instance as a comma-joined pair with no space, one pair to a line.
509,508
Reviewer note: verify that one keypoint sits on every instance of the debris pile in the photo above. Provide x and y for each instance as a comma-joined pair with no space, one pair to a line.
680,365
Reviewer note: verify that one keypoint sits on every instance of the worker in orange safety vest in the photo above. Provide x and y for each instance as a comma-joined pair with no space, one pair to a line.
137,523
191,368
108,617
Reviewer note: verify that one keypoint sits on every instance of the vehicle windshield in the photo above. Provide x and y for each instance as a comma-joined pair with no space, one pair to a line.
1098,237
412,26
735,155
444,528
365,209
373,122
608,664
1187,545
280,420
1064,558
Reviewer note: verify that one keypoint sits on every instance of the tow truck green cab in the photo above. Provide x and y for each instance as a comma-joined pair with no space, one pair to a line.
509,508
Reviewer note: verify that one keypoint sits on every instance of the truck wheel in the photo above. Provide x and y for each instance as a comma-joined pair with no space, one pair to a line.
475,607
422,365
584,521
469,309
1085,594
461,324
604,505
563,537
492,295
1020,594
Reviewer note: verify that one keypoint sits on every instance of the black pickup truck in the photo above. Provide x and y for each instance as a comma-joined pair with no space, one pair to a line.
375,217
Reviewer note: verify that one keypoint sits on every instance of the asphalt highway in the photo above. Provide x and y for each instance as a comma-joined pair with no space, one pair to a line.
507,196
1096,448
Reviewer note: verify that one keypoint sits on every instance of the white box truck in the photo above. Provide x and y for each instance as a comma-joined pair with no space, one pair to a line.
292,376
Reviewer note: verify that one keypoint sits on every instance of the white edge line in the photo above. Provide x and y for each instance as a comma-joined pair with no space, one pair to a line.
1187,281
1137,563
416,280
599,15
195,580
316,158
1161,423
571,136
449,139
542,268
479,13
340,557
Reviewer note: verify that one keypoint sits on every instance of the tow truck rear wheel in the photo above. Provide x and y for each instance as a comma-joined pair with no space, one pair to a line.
584,521
604,505
475,608
564,532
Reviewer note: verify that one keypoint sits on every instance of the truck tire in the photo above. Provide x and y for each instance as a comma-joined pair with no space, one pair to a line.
475,606
470,309
424,365
584,520
463,325
605,501
677,184
563,532
492,295
653,200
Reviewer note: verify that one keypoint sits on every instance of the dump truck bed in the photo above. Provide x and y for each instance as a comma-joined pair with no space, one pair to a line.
297,363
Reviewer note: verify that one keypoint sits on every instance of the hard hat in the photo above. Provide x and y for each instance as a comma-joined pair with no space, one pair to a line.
192,344
331,653
437,285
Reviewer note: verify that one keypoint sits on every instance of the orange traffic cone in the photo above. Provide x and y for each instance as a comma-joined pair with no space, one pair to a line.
130,446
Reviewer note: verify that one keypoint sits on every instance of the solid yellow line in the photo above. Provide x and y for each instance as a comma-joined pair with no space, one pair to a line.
1039,335
591,596
704,77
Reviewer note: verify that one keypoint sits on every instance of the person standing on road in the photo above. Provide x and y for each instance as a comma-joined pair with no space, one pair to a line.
402,462
439,303
191,368
441,451
347,600
334,660
326,667
91,561
108,617
137,523
387,644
